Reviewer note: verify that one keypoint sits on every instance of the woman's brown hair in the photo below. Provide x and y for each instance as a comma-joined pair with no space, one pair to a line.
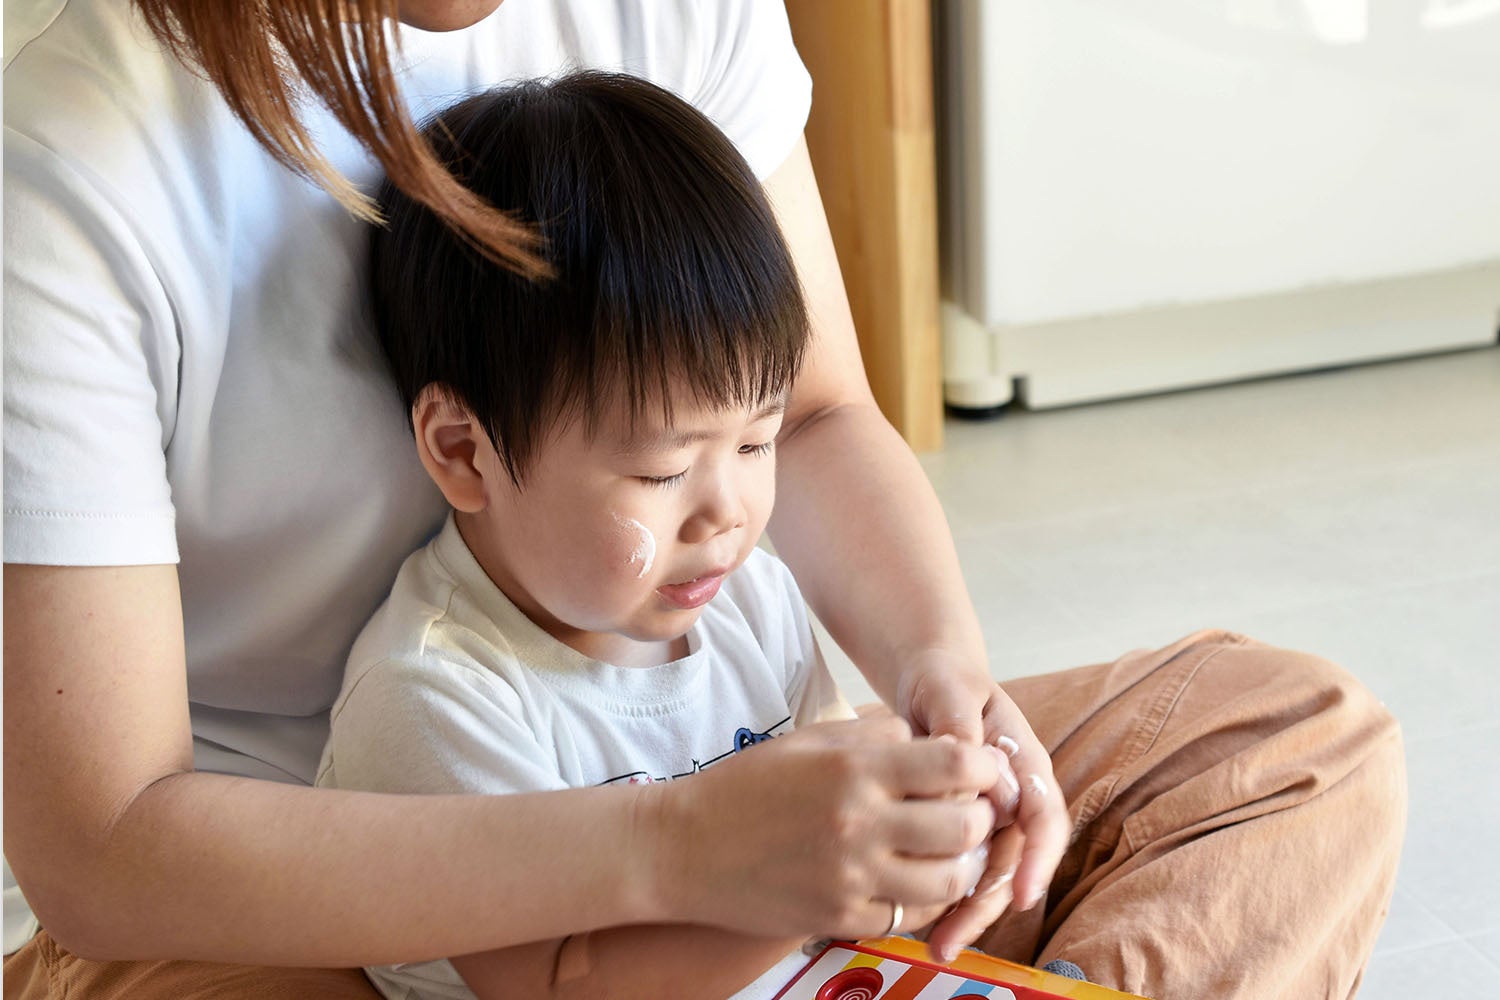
264,56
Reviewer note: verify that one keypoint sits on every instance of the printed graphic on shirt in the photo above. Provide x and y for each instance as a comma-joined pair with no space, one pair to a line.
743,738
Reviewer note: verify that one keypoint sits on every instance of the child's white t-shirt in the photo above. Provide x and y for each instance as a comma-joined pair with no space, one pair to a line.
450,688
189,371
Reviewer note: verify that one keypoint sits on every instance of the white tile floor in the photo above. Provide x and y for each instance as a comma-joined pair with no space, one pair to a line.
1352,513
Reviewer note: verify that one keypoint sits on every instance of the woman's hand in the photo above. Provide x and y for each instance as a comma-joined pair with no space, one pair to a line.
819,831
942,696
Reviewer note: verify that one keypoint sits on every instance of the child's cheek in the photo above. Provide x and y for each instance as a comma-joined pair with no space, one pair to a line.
637,543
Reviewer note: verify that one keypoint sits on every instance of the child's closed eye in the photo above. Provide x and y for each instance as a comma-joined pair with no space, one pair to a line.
757,449
671,480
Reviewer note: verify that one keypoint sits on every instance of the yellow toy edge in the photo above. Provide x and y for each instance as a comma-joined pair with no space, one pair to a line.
980,964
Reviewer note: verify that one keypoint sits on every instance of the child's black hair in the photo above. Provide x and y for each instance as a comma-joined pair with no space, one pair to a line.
669,266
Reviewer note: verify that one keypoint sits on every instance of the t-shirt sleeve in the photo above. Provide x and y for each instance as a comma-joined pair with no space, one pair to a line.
773,605
434,727
753,84
815,697
91,362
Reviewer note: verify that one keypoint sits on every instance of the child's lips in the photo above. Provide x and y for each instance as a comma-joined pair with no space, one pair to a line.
694,593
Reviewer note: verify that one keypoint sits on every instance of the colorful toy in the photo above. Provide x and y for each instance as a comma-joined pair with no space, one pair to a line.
898,968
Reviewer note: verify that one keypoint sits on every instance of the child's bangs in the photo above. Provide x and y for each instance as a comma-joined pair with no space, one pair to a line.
730,335
690,283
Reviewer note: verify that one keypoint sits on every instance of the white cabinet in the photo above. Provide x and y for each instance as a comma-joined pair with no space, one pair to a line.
1146,194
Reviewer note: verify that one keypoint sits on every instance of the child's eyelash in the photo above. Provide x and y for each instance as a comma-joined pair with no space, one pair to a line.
746,449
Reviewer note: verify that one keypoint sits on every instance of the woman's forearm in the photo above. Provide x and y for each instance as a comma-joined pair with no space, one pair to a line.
866,538
125,852
221,868
645,962
855,517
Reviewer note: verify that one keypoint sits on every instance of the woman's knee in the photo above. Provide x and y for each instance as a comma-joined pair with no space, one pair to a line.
1314,715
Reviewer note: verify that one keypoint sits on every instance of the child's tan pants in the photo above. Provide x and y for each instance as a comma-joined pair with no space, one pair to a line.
1238,813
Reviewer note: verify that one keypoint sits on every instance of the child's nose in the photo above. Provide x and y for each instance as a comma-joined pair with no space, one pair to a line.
719,511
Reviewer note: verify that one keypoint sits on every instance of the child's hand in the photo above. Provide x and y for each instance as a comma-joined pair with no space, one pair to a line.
941,696
990,883
993,893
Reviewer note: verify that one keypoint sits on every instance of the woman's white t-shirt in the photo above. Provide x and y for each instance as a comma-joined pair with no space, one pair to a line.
189,374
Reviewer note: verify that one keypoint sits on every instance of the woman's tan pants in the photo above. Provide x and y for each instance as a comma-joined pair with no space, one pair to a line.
1237,817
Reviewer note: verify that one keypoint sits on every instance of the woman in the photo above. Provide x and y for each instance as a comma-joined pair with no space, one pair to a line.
208,489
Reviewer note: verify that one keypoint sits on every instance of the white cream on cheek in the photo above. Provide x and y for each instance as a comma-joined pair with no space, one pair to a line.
645,543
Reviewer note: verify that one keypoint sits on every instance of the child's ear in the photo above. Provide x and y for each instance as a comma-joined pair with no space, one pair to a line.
452,447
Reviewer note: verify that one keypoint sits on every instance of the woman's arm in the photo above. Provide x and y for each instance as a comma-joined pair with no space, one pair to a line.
125,852
865,536
628,963
855,516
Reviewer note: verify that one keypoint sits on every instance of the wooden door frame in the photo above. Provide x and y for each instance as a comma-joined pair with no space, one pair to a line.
871,137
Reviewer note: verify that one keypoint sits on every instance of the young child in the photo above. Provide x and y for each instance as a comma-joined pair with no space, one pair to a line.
596,609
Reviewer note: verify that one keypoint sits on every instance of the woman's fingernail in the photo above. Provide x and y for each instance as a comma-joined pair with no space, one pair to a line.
1008,745
1036,786
1010,790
